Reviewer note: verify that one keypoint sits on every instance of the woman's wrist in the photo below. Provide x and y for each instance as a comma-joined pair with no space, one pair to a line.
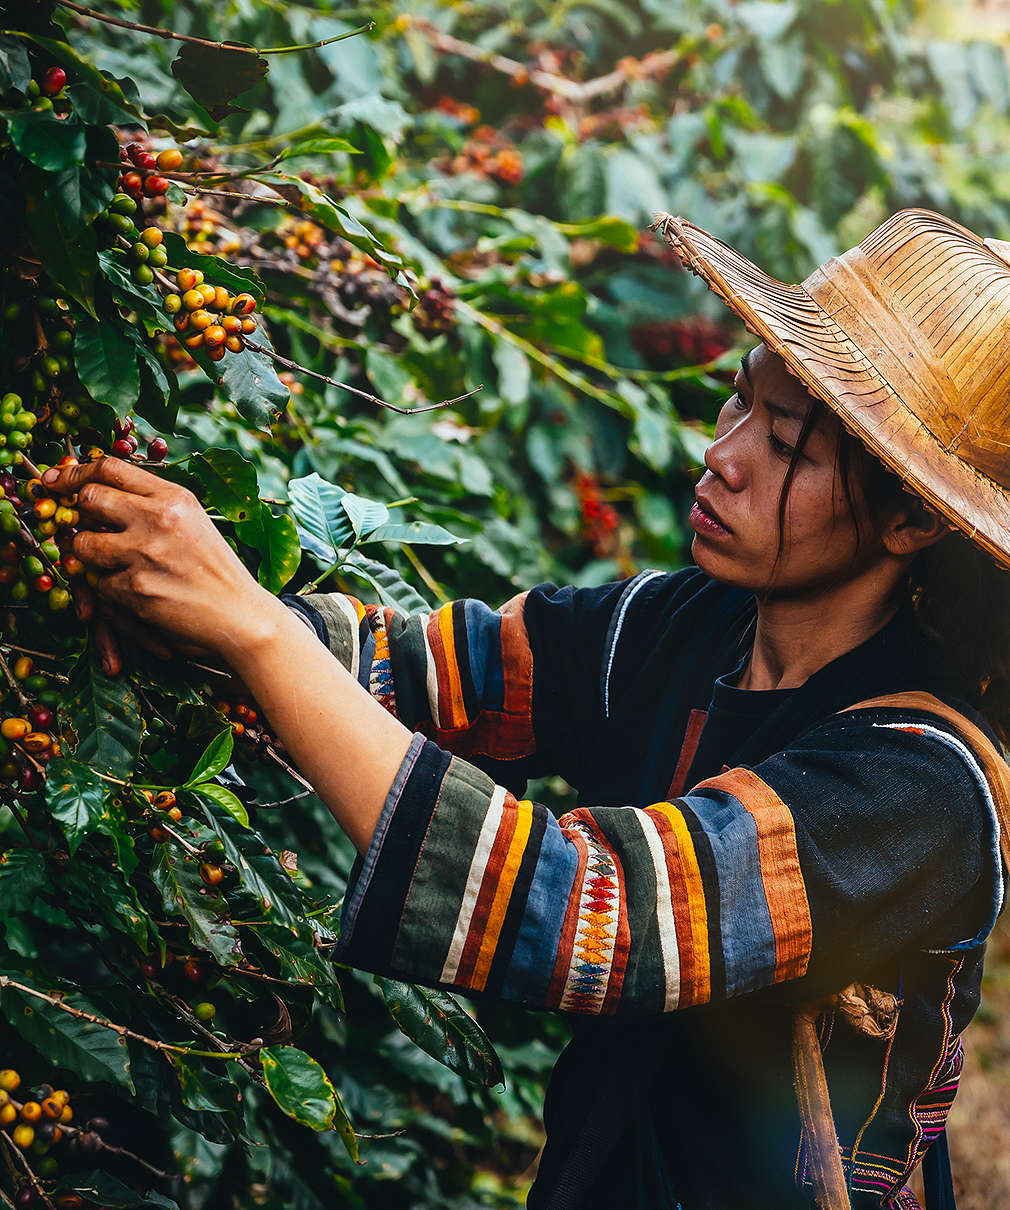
253,629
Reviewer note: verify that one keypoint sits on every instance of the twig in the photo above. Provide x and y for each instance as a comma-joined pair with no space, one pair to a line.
281,802
42,655
36,1184
276,757
122,1030
132,1155
293,365
12,681
158,32
191,849
574,92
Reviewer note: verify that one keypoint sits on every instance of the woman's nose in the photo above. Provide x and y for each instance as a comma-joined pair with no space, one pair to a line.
726,456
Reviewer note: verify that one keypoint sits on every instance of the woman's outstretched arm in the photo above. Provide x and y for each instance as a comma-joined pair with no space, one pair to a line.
168,564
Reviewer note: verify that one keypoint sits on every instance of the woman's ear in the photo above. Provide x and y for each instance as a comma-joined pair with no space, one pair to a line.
914,527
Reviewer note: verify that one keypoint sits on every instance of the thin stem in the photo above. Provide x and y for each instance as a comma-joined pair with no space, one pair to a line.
158,32
429,580
192,850
276,757
22,1160
314,584
293,365
12,682
122,1030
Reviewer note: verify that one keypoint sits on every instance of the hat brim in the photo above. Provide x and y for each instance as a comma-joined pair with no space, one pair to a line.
836,370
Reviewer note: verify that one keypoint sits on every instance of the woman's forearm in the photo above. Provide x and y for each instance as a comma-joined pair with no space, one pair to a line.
346,744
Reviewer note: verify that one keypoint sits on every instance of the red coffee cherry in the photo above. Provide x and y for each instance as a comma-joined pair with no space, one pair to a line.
53,81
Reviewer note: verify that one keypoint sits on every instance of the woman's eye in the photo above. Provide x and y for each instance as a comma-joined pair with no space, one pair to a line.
780,447
739,402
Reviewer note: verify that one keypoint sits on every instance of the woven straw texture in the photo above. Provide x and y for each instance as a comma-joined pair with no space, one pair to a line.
907,338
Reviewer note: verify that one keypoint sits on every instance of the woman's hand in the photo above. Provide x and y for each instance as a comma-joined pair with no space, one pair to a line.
162,558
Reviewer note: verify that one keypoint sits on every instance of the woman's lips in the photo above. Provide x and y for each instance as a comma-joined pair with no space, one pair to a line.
704,523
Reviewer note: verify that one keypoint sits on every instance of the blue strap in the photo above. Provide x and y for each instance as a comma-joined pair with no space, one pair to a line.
937,1180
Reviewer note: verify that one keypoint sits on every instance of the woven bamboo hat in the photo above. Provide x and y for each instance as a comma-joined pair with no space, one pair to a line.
907,338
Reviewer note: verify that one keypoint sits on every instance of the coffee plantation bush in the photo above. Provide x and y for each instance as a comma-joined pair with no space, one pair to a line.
381,292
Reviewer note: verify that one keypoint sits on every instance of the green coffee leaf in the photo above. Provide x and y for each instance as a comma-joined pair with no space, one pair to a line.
441,1027
229,483
275,537
104,713
225,799
323,524
215,758
76,798
176,874
303,1090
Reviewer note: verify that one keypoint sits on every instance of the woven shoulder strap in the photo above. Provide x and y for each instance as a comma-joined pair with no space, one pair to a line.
808,1064
995,768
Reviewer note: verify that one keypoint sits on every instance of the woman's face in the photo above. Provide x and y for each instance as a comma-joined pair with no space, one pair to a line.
736,517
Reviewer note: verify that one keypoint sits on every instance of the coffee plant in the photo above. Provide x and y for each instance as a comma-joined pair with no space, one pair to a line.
377,286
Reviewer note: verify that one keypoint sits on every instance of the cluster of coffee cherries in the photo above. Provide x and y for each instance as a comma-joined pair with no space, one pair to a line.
209,317
141,170
248,728
37,557
46,92
144,248
435,310
28,735
38,1122
600,520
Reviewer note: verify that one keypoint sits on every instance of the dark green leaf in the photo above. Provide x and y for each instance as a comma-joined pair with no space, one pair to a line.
214,759
249,380
49,142
104,713
364,515
15,70
107,1190
92,1052
215,76
206,1091
75,796
298,959
229,483
142,299
264,884
275,537
328,146
390,586
303,1090
323,525
107,362
177,876
417,532
22,873
436,1022
108,901
225,799
69,250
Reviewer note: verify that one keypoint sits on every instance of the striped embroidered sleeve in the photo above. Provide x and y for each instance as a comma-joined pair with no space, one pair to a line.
809,863
462,674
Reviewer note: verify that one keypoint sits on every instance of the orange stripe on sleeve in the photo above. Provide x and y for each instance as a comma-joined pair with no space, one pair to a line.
697,989
784,889
503,892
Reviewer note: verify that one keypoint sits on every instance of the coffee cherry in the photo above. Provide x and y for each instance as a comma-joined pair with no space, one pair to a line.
192,299
158,258
195,341
242,304
25,1198
68,1201
53,81
248,325
170,160
123,204
157,449
8,1114
172,303
24,1136
191,969
234,344
155,186
216,353
221,298
12,728
200,319
186,279
99,1125
31,1111
52,1107
67,1115
204,1011
152,236
121,448
143,275
23,668
210,873
133,183
139,252
163,800
214,335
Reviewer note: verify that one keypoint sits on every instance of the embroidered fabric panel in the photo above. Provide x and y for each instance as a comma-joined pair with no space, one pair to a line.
605,910
462,674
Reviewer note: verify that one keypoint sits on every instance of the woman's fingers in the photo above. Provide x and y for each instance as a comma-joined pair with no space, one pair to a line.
107,646
109,551
113,472
143,636
105,505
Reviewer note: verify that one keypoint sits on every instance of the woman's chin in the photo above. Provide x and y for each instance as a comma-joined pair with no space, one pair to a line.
721,565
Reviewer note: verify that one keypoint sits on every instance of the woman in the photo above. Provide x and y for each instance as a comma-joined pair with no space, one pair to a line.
763,845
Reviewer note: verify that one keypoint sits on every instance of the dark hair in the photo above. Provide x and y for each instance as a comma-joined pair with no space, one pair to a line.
960,597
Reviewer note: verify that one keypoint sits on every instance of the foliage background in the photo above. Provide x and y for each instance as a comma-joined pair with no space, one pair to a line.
520,203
